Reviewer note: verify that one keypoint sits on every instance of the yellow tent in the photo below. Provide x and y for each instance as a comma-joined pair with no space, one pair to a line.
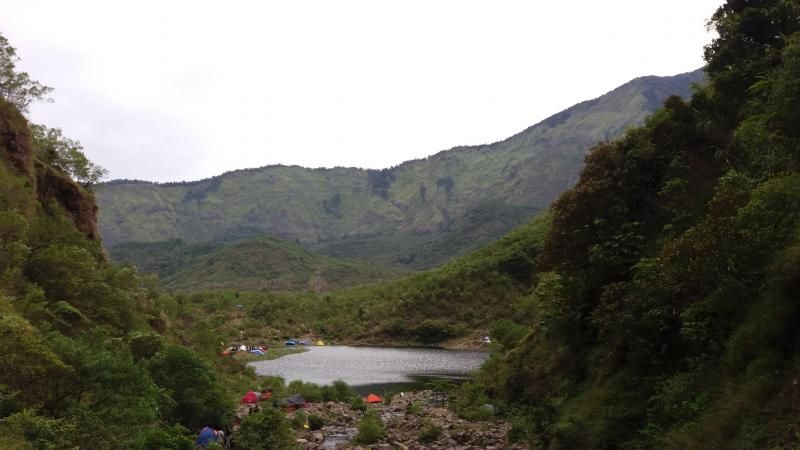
319,342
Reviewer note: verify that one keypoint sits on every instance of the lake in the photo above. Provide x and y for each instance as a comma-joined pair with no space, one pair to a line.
373,368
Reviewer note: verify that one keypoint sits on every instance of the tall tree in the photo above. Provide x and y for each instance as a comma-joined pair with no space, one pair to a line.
17,87
66,154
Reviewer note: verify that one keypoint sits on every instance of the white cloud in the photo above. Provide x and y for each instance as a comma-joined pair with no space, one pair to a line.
187,89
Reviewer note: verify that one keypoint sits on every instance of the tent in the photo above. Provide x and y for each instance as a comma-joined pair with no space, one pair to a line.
257,351
293,402
250,398
372,398
320,343
207,436
243,348
291,342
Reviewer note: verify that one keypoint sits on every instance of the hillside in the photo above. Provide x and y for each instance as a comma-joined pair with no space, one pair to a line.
462,298
411,215
90,358
657,305
260,264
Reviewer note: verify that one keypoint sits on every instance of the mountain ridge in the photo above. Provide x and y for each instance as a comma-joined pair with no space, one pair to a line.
549,120
422,201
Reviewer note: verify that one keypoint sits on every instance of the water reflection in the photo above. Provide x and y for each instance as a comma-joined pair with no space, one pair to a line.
398,368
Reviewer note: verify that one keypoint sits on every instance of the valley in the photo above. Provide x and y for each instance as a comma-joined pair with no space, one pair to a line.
628,269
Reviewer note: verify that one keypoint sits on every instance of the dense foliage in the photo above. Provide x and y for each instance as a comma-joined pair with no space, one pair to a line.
665,311
88,353
461,299
260,264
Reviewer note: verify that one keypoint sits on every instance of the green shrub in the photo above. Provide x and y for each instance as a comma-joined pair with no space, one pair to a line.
432,331
145,345
358,404
299,420
413,409
470,401
198,396
168,438
429,433
341,391
37,431
315,422
267,429
311,391
508,333
370,429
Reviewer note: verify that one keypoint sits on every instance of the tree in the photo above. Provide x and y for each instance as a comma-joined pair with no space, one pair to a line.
17,87
199,398
52,147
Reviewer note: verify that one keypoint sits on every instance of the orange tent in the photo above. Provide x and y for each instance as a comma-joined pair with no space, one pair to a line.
372,398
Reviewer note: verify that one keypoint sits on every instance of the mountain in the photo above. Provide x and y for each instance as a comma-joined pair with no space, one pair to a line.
257,264
415,215
656,306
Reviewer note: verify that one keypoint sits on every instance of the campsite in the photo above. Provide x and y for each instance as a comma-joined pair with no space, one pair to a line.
335,417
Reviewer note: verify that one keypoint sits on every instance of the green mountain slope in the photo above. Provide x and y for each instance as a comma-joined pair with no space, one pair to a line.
658,306
86,358
459,300
261,264
399,214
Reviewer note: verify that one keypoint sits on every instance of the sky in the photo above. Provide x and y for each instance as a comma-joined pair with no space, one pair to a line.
186,89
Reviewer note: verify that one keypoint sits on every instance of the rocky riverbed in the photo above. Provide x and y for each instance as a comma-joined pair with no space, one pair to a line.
412,421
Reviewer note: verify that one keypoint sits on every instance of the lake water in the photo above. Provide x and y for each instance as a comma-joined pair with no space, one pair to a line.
373,368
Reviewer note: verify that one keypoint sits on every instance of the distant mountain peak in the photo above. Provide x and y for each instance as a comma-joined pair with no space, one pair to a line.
403,213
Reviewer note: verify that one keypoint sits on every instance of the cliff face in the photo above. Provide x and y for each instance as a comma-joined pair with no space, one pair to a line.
46,184
15,139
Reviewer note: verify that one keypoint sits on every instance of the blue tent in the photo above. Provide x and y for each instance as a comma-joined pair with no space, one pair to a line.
291,342
207,436
257,351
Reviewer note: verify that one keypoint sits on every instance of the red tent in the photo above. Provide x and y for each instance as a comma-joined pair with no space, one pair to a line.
250,398
372,398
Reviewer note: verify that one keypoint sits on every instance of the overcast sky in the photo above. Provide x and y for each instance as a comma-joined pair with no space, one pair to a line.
180,90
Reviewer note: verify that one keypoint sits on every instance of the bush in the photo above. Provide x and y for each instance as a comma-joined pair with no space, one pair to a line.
145,345
311,392
432,331
413,409
470,401
198,395
267,429
358,404
341,392
300,420
315,422
38,432
429,433
370,429
508,333
168,438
